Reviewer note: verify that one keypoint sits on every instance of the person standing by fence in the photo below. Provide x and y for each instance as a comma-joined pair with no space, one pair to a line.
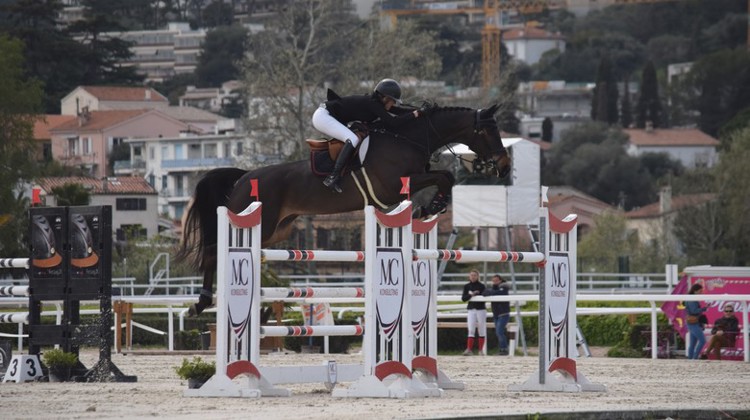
476,313
500,312
693,313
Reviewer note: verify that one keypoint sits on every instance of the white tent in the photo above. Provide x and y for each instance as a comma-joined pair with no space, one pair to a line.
500,205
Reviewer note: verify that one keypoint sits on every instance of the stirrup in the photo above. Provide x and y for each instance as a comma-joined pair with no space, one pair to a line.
332,182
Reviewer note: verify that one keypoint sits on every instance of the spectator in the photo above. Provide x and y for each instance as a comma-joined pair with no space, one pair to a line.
500,312
476,312
724,333
693,310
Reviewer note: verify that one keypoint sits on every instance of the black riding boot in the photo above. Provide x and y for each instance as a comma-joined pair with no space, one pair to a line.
332,180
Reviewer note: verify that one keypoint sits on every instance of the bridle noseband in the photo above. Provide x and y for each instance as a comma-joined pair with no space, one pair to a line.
483,164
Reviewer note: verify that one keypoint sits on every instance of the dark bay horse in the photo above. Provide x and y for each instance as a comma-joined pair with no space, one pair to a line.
289,190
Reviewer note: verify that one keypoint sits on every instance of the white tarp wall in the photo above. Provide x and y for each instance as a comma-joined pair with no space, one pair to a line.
500,205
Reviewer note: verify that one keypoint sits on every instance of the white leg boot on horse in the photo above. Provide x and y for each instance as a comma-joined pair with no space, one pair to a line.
332,180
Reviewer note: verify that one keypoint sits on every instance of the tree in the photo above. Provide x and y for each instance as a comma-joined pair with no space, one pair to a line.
306,48
22,102
547,130
71,195
217,14
221,56
648,109
604,98
102,55
734,192
721,83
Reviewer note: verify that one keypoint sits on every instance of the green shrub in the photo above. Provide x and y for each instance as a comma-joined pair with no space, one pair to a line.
197,369
58,358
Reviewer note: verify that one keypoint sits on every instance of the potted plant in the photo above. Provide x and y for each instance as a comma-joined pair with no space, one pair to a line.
59,363
196,371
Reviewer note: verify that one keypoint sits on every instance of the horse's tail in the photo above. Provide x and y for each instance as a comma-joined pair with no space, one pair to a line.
198,245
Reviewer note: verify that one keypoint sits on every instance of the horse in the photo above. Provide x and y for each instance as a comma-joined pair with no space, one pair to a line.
289,190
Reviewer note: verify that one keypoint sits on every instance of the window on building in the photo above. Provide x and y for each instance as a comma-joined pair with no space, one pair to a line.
194,151
137,151
239,148
130,204
227,149
151,153
209,150
72,146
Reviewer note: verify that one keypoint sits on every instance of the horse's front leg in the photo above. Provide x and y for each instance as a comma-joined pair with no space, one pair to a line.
444,181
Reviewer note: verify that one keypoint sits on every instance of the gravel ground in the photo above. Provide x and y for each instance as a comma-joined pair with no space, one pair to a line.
654,388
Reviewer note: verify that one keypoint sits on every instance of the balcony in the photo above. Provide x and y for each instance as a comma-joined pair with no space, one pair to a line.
195,164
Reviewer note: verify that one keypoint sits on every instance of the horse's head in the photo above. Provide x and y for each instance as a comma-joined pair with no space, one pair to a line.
486,143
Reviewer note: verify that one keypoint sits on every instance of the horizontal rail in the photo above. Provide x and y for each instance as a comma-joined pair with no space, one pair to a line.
14,318
316,331
477,256
308,255
308,292
14,263
14,290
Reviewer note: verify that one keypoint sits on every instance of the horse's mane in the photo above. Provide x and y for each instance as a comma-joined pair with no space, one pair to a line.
432,107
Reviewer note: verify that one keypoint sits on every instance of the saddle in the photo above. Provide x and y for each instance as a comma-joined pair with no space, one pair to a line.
323,152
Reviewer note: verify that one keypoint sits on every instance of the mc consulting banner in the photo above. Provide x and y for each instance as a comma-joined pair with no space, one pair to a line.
712,285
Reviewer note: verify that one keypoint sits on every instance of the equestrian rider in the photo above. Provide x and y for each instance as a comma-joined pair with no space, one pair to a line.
333,115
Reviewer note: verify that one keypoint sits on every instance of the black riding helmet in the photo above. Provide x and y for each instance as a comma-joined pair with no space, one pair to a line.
390,89
82,243
44,254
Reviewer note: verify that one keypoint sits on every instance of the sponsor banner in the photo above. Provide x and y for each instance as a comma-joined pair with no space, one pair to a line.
389,288
240,288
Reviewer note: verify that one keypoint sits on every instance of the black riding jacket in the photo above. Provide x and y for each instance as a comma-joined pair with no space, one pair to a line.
471,286
367,108
498,308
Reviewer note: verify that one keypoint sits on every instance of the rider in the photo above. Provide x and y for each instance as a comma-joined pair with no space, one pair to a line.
333,115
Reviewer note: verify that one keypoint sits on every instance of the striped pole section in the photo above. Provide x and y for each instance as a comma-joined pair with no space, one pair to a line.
477,256
14,263
308,292
14,318
307,255
14,290
316,331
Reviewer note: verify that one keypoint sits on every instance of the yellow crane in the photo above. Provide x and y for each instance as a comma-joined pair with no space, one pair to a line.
491,32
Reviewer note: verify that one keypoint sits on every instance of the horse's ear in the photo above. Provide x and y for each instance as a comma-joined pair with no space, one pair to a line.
331,95
493,110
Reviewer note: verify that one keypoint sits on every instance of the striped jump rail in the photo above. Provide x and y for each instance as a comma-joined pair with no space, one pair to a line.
471,256
14,318
14,290
14,263
314,331
308,255
309,292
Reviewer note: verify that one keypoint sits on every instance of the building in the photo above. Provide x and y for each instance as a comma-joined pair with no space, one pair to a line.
173,164
565,104
690,146
528,44
133,201
212,99
655,222
161,54
42,136
107,98
565,200
87,140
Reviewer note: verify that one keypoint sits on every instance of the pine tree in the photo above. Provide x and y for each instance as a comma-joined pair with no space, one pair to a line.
547,130
648,108
604,99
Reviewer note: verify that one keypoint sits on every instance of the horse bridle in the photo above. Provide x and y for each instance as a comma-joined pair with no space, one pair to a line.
480,164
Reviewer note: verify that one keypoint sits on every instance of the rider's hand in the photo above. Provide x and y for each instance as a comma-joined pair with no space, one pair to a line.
416,113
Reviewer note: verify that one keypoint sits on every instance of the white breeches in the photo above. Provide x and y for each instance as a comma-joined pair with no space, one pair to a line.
476,319
326,124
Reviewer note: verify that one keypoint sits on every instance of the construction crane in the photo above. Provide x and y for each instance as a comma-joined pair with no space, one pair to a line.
492,33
